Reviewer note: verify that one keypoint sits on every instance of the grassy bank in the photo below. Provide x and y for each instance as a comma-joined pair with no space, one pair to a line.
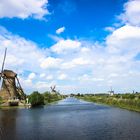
126,101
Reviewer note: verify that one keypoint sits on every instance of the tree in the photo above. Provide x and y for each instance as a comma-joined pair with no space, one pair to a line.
51,97
36,99
47,96
78,94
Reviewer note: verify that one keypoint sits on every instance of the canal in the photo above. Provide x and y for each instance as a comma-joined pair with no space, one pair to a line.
69,119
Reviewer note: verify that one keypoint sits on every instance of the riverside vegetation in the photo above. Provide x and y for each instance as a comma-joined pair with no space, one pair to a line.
37,98
1,100
126,101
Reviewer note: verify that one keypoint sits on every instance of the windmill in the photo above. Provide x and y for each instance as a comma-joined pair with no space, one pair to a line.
111,92
10,87
53,89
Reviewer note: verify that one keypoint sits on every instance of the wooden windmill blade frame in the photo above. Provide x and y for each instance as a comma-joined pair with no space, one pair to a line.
22,92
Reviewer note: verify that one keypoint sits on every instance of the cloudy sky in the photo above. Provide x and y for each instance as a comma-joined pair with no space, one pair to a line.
78,45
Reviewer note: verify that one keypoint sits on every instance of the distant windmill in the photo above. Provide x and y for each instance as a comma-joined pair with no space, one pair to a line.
53,89
10,87
111,92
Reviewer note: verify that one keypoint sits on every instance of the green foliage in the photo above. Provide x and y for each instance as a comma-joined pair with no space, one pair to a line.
78,94
128,96
36,99
117,96
49,97
128,101
1,100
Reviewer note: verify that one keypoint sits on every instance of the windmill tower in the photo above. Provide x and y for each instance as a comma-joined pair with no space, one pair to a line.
10,87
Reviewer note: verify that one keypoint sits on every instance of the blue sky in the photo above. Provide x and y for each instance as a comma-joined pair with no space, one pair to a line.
82,19
78,45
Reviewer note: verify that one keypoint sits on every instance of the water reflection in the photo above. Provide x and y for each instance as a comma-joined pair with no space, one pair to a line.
69,119
71,100
8,123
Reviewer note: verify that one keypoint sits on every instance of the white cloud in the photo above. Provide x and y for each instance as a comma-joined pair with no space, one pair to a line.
76,62
110,29
90,66
23,8
64,46
62,77
131,13
113,75
31,76
49,77
126,39
81,61
60,30
98,79
21,54
85,50
41,86
84,77
42,75
50,62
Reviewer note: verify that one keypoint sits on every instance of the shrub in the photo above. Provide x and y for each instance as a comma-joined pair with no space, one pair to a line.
128,96
36,99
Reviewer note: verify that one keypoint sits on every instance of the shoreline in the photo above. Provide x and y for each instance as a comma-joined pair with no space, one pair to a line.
126,107
27,105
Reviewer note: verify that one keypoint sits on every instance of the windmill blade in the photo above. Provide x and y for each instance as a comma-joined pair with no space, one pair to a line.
53,87
23,95
0,77
3,63
3,60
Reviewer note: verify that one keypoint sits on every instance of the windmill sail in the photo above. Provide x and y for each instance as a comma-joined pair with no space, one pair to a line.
4,60
1,74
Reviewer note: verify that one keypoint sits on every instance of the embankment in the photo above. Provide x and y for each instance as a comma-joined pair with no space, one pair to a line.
122,101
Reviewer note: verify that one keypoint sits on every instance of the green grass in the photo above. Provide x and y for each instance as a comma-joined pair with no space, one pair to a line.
122,101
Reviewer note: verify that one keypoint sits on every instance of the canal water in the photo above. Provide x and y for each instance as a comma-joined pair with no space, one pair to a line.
69,119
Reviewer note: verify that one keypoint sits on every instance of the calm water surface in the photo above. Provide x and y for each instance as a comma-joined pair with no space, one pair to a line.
69,119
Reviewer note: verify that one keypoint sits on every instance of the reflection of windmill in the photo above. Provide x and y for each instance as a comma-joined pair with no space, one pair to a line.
11,88
53,89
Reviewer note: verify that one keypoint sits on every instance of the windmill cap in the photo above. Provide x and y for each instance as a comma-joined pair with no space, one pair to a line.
9,73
